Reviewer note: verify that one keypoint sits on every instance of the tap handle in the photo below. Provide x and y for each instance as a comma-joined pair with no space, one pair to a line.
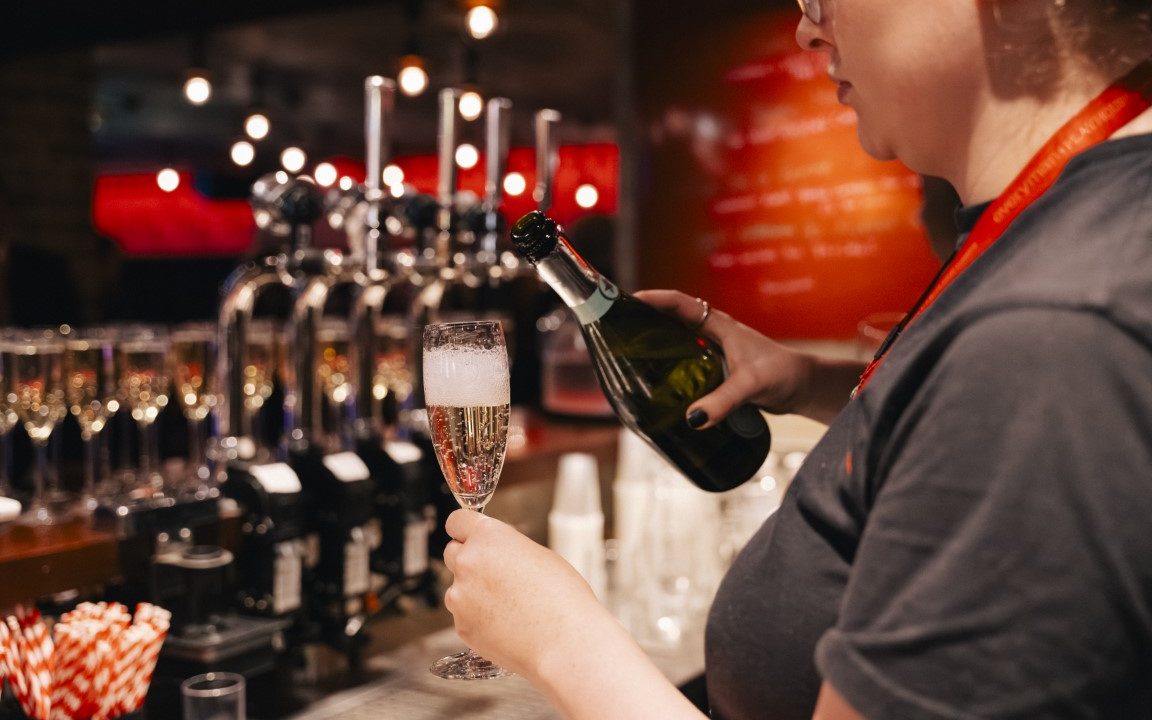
547,158
379,101
496,148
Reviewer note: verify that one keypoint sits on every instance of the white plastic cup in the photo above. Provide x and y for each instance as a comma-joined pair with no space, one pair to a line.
576,523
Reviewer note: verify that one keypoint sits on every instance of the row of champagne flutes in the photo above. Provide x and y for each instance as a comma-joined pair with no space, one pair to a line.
94,373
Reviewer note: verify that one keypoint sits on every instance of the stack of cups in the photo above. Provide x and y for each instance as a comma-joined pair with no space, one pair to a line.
576,523
668,541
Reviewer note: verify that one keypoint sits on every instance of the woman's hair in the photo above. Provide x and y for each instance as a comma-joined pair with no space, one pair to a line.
1090,27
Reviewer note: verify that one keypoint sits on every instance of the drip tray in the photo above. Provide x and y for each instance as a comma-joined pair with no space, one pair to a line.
226,637
407,690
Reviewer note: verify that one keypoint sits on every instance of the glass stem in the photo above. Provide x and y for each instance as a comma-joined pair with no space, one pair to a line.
150,457
91,461
195,447
40,474
5,464
336,419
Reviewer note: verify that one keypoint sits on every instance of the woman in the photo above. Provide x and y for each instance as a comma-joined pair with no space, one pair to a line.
971,536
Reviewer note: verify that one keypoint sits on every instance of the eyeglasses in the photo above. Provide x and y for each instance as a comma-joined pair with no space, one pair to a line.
811,10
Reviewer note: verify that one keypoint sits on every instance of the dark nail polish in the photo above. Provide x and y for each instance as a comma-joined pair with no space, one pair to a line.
696,419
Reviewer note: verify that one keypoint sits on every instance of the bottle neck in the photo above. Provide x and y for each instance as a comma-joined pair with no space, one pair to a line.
586,291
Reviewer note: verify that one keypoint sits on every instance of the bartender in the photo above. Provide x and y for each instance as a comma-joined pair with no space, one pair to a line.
971,537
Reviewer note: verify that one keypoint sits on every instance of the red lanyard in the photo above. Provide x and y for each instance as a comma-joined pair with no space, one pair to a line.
1114,108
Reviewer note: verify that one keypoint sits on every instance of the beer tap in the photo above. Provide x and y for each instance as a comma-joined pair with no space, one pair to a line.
400,467
267,495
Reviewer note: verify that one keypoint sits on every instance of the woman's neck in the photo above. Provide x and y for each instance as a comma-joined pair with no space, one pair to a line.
1013,139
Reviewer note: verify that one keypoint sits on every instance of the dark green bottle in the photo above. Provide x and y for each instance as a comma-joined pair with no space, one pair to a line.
651,365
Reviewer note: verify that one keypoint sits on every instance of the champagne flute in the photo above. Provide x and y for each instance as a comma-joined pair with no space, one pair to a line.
142,360
8,417
193,361
392,371
466,389
259,376
90,389
334,374
36,392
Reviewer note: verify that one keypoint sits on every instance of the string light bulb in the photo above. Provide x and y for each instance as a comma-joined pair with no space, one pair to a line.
515,184
325,174
243,153
587,196
481,20
257,126
293,159
168,179
471,105
467,156
197,87
413,78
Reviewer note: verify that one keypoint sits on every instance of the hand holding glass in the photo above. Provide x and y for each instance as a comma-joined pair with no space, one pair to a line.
466,387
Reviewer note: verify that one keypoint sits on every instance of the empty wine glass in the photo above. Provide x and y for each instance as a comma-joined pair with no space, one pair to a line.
90,389
193,353
36,392
466,389
142,361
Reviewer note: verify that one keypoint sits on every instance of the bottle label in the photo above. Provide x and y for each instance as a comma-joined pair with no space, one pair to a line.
598,303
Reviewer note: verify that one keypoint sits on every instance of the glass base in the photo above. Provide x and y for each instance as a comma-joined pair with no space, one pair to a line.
467,666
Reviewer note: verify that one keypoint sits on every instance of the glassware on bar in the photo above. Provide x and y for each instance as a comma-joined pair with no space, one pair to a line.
259,377
334,375
142,362
34,363
90,389
193,354
467,391
8,418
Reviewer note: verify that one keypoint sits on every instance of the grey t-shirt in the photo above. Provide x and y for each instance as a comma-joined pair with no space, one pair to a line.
973,536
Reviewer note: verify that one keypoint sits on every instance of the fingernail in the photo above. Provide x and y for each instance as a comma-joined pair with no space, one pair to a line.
697,418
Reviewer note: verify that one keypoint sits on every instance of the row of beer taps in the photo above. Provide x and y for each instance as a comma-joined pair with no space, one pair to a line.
392,248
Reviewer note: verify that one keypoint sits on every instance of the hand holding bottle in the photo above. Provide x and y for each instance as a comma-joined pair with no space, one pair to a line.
761,371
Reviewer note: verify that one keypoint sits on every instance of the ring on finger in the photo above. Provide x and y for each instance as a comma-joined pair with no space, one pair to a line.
706,310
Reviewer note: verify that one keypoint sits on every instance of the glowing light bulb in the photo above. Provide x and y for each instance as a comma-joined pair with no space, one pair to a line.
346,183
515,184
168,179
257,126
413,79
471,105
587,196
392,175
243,153
293,159
481,21
197,89
467,156
325,174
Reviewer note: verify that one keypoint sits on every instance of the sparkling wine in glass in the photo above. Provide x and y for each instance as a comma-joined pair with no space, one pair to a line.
8,417
142,360
392,367
90,389
259,376
466,389
193,353
334,374
36,393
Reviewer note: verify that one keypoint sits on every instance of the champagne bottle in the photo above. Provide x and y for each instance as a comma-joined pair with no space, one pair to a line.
651,365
